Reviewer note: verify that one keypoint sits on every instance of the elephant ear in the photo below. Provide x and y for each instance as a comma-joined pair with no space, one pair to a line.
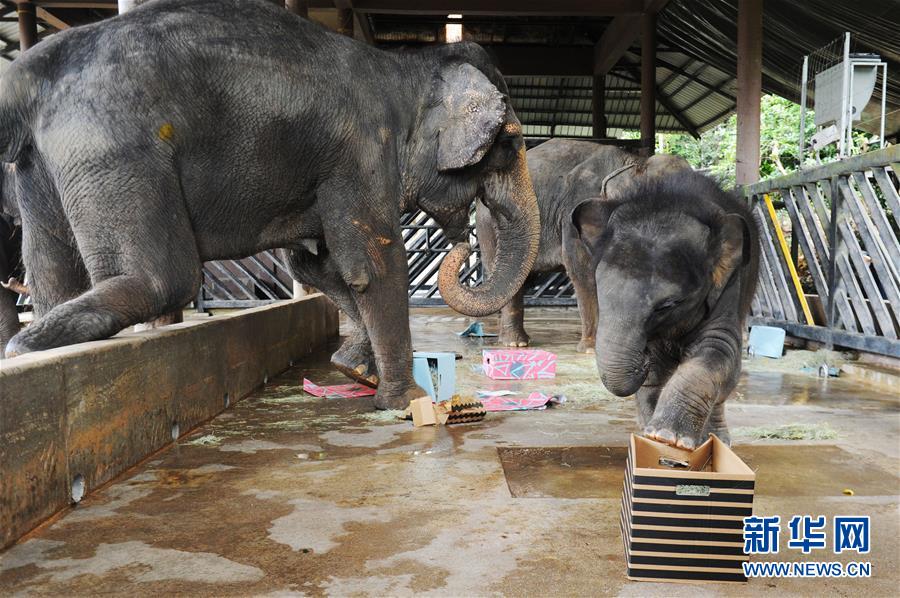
474,110
591,217
733,251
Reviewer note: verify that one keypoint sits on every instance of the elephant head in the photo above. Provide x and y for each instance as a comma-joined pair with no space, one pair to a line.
470,144
660,271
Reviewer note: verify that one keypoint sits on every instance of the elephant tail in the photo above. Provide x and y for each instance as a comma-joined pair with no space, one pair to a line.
17,97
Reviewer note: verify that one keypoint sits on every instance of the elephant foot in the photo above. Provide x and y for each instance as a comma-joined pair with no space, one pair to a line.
514,338
385,399
357,362
586,345
674,433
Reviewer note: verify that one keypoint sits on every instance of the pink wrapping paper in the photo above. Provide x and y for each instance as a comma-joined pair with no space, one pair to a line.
339,391
518,364
536,400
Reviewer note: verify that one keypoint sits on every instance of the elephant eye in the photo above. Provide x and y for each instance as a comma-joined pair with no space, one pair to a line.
667,305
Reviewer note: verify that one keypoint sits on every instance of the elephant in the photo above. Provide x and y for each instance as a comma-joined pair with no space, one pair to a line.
192,130
676,261
566,172
10,257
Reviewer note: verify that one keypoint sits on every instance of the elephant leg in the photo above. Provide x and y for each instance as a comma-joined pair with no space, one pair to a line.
354,358
578,264
140,268
662,365
696,388
512,322
512,315
374,266
717,425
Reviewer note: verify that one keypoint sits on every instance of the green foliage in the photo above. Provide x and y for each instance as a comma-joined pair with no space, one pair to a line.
715,151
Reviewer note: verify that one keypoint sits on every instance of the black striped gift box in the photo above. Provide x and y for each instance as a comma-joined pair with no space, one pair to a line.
685,524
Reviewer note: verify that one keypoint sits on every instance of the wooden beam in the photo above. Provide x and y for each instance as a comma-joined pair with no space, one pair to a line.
51,19
27,25
648,83
620,34
103,4
298,7
560,61
359,22
598,106
749,90
593,8
615,41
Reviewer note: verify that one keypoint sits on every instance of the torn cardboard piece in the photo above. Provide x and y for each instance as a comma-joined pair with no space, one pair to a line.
518,364
338,391
422,412
455,411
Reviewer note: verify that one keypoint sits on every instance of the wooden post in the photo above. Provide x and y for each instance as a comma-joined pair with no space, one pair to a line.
27,25
598,106
648,83
749,89
345,22
298,7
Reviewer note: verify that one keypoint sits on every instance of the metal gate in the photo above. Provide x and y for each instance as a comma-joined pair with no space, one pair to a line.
264,278
840,281
256,280
426,246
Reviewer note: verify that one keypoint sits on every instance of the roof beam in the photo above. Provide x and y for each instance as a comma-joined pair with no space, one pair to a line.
107,4
664,101
594,8
51,20
620,35
362,21
537,61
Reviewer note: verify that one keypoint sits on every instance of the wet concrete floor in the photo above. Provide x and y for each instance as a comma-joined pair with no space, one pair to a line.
290,495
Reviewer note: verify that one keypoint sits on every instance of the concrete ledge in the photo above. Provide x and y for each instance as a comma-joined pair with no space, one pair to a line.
88,412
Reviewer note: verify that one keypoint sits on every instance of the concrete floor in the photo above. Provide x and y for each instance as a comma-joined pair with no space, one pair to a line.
287,494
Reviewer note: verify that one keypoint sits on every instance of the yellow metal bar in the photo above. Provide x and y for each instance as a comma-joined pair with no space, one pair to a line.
790,263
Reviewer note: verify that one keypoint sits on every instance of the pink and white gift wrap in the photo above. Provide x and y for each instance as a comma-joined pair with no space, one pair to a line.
518,364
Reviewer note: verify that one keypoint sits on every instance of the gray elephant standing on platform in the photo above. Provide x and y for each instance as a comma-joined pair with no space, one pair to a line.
191,130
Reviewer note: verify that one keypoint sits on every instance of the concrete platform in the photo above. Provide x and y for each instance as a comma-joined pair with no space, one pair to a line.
286,494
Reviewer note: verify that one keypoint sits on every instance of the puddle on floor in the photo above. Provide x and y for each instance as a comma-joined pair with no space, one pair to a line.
782,470
777,388
564,472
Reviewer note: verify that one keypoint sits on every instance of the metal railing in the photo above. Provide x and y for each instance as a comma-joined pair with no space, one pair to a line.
839,283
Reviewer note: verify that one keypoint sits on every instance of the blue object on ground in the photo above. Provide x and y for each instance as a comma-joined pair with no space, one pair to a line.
432,369
476,329
766,341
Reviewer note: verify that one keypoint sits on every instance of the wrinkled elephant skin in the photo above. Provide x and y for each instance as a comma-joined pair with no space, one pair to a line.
192,130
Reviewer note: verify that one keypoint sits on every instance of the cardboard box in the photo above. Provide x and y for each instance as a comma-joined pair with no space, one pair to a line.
685,524
518,364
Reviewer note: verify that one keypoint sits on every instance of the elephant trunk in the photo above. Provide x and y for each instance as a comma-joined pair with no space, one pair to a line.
621,357
513,205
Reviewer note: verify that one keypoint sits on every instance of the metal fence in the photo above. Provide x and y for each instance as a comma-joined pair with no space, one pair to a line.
256,280
426,246
264,278
839,281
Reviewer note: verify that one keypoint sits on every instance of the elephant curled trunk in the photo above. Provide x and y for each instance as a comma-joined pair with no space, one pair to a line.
511,200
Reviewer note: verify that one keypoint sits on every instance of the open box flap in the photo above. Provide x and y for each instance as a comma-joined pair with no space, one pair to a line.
724,463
